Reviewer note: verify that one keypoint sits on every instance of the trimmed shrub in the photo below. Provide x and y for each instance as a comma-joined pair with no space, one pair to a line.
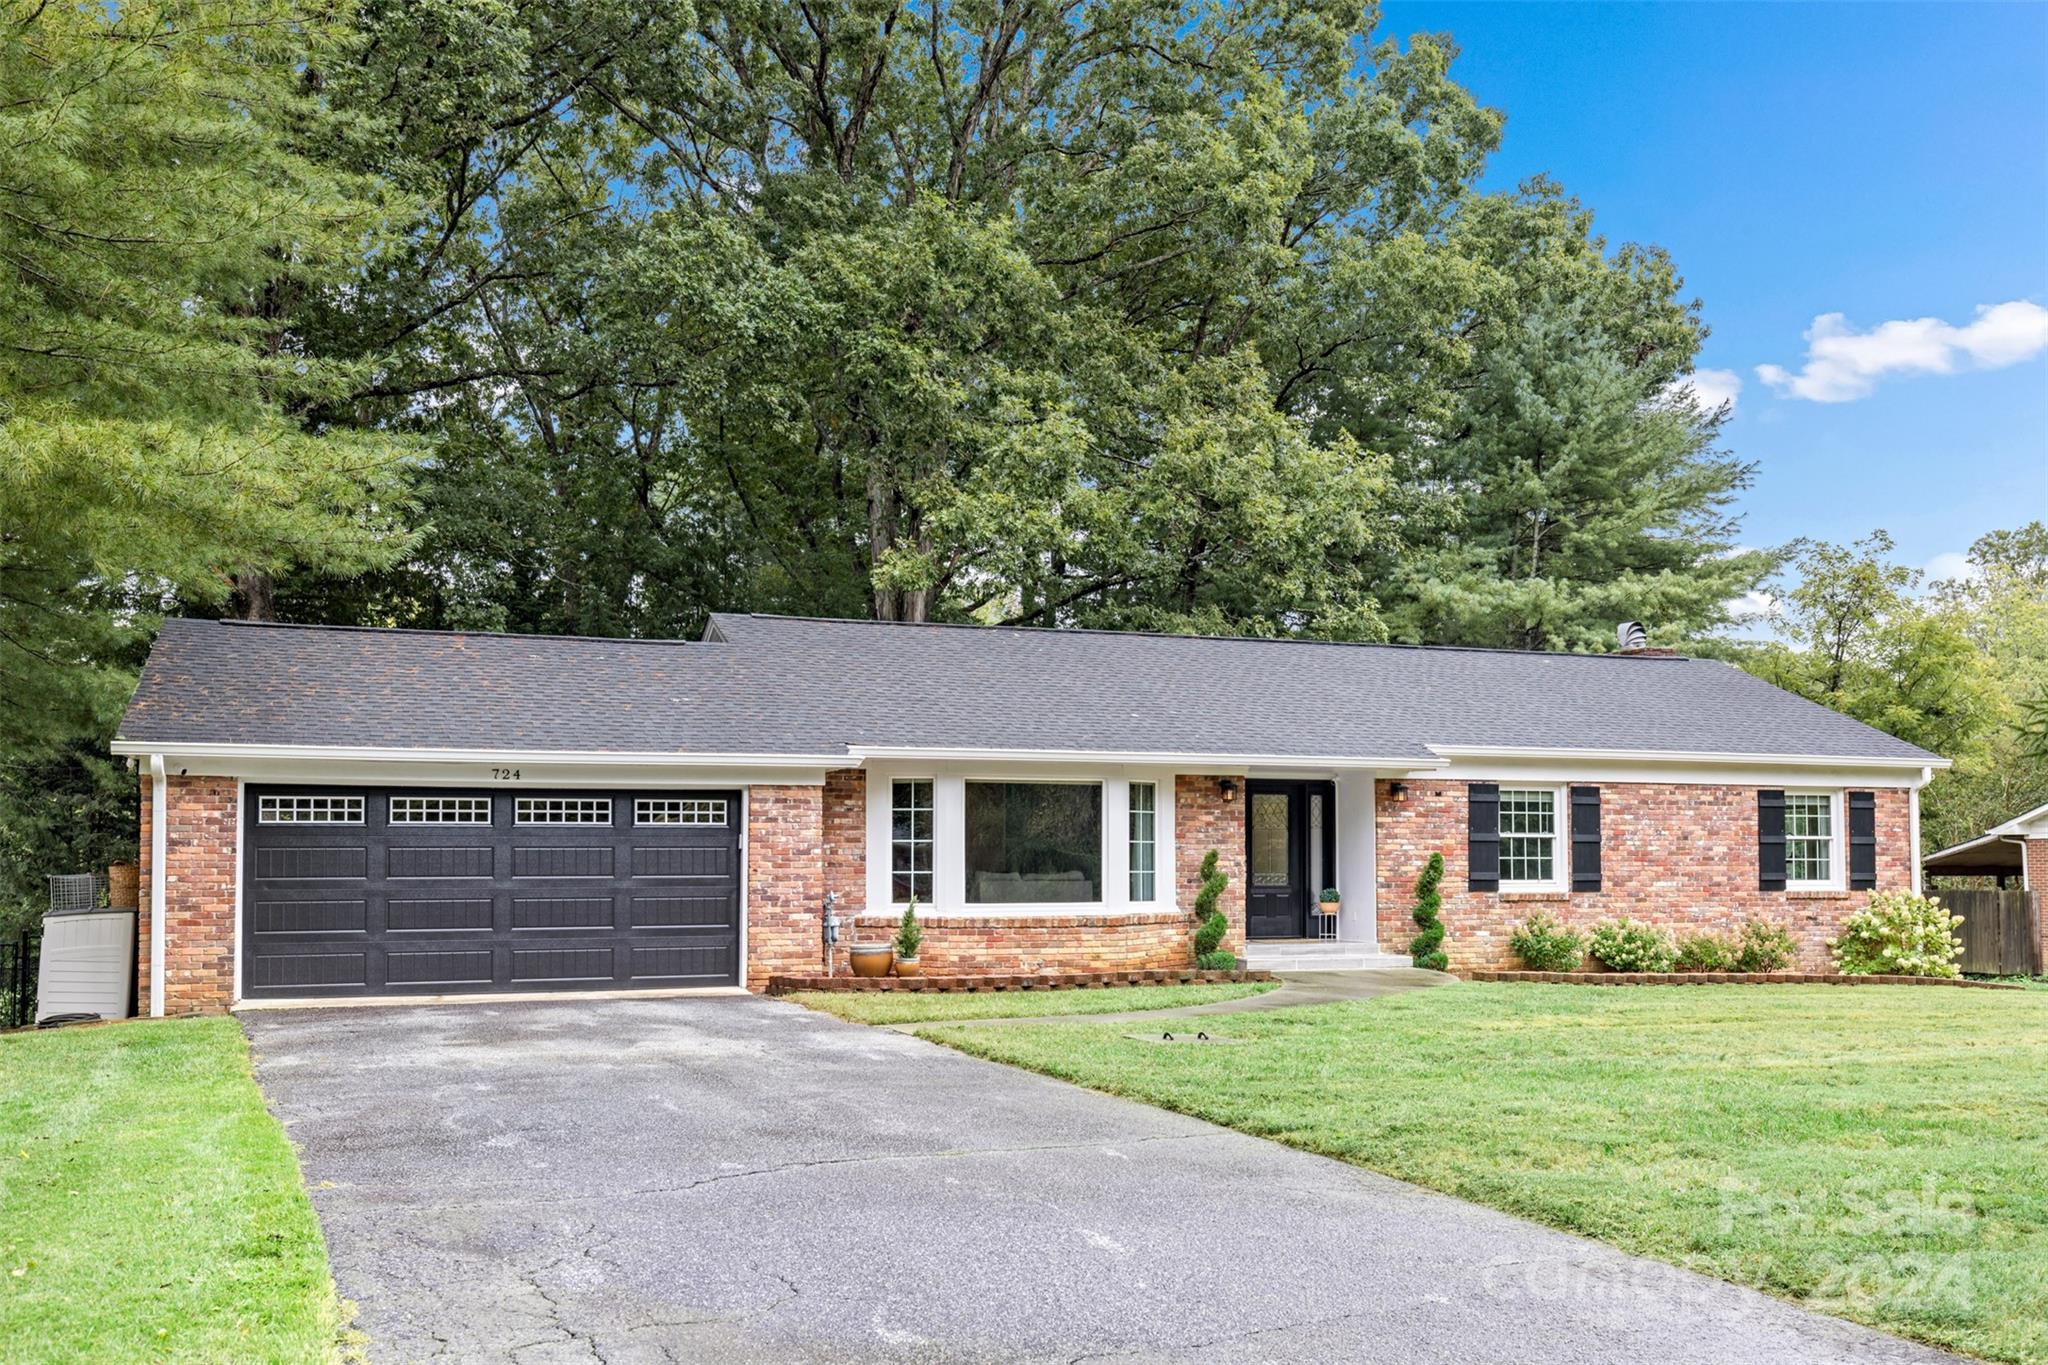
1704,953
1898,934
1544,945
1427,947
1211,924
1764,948
909,933
1626,945
1220,961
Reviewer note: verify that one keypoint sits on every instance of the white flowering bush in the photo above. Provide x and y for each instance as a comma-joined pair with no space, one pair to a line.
1898,934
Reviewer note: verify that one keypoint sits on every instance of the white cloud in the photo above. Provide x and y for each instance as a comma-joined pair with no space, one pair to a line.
1952,565
1751,605
1709,388
1843,363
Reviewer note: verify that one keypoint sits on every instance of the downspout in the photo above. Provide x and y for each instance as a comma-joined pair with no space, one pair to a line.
1913,822
157,784
2021,840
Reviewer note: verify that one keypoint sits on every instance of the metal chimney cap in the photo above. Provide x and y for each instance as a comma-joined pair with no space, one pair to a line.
1630,635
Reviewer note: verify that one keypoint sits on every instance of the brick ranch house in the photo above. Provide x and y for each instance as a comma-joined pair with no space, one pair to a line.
358,812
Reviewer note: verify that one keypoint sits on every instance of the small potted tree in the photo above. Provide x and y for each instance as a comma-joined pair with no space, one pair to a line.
1328,903
909,937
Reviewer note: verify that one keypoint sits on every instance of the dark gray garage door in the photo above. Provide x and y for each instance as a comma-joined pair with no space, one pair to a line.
394,891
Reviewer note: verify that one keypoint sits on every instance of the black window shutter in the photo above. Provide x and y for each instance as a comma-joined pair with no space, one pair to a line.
1770,840
1862,841
1585,838
1482,836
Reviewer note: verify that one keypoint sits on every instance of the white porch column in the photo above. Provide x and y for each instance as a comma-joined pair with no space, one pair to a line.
1357,860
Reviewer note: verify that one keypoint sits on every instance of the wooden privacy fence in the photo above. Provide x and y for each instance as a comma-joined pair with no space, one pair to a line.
1998,931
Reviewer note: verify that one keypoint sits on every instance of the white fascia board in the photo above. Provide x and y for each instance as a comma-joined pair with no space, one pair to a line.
1680,757
1969,845
861,754
463,767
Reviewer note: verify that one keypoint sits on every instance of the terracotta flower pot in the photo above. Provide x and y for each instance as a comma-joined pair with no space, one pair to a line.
908,966
871,959
1329,907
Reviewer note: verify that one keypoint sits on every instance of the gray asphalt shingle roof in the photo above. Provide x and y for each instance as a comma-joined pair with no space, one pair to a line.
781,685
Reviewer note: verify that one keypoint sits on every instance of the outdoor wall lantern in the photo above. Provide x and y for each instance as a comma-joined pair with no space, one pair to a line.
1398,790
1228,786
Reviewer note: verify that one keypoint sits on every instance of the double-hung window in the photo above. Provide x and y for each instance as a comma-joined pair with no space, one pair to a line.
910,842
1144,841
1811,860
1529,858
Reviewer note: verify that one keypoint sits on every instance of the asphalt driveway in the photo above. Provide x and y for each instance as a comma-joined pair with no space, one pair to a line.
742,1180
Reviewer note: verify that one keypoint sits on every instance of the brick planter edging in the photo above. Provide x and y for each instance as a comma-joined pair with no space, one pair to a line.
783,985
1732,979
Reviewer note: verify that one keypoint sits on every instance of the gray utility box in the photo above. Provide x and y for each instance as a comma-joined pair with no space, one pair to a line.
88,964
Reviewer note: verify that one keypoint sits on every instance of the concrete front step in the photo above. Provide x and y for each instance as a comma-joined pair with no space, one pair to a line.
1325,956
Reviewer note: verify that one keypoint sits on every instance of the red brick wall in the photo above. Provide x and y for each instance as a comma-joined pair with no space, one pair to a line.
2036,853
199,896
973,945
1203,820
1682,857
846,838
785,882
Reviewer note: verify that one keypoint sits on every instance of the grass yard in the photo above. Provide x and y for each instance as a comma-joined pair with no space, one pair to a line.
150,1208
899,1007
1880,1153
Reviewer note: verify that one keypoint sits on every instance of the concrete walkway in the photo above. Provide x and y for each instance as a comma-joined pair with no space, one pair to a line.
1296,989
741,1181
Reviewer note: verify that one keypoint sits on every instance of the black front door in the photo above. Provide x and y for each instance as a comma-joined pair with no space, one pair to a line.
1290,855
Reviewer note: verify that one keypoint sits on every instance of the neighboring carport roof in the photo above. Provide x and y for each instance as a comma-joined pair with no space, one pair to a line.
1996,852
788,686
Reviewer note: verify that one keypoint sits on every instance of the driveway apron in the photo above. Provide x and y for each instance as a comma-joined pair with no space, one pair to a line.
744,1180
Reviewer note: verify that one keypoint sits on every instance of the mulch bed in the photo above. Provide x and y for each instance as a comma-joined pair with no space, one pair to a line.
783,985
1734,979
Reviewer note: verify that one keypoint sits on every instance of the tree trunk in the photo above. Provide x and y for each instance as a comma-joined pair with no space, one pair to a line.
253,597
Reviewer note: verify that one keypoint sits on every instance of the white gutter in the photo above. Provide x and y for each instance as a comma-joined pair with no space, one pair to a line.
860,753
1683,756
157,783
503,757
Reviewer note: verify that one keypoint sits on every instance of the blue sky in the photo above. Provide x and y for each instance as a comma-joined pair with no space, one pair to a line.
1884,162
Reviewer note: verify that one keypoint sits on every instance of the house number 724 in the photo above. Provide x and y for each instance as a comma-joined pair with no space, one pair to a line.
504,774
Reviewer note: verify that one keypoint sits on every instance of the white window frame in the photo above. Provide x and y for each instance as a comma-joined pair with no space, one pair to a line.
949,781
701,812
1104,838
335,808
1150,842
931,844
1560,871
405,800
523,819
1834,881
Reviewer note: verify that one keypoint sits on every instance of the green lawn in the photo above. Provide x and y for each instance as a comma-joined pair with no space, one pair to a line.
150,1209
1876,1152
900,1007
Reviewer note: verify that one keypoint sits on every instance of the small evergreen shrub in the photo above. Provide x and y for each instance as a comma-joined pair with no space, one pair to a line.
1626,945
1427,947
1223,960
1544,945
909,933
1210,922
1764,948
1704,953
1898,934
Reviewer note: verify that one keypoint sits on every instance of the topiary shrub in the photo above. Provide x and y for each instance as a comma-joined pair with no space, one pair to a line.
1626,945
1898,934
1211,924
909,933
1427,947
1544,945
1704,953
1764,948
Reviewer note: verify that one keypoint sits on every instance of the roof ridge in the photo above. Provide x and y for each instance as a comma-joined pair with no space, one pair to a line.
423,630
1178,635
